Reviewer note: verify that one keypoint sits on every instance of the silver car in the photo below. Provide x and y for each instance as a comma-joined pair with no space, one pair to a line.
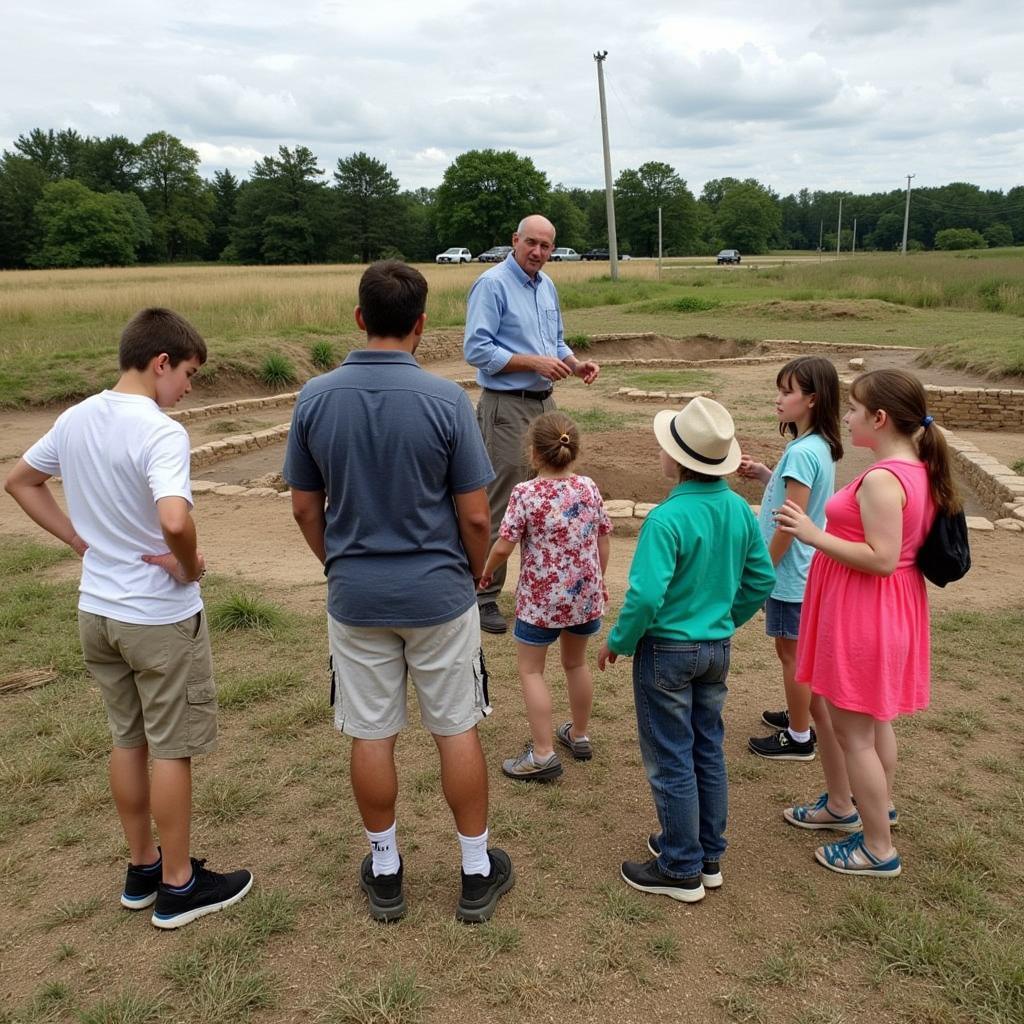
558,255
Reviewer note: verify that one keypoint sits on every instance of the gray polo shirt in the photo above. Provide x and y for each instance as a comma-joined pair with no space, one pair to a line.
389,444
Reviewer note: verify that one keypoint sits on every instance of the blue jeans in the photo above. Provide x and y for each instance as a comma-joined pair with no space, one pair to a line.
679,689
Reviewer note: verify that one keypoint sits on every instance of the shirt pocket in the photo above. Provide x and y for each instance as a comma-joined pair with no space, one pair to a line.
550,320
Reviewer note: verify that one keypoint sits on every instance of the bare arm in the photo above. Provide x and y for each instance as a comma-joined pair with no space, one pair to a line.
798,494
308,512
498,556
753,470
474,516
27,486
604,551
184,561
881,501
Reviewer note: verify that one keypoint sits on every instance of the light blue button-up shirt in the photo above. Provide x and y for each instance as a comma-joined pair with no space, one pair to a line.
510,313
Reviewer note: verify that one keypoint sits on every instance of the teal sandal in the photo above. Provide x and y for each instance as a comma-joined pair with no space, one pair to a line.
851,857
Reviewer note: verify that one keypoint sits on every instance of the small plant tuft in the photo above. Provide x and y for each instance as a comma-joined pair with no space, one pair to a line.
242,612
323,355
277,371
394,998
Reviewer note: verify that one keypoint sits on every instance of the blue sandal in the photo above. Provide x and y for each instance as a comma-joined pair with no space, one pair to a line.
851,857
818,816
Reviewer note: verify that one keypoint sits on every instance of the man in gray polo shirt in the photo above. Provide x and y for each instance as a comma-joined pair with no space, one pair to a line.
514,338
388,476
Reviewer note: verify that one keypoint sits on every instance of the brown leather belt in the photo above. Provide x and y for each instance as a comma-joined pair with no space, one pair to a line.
536,396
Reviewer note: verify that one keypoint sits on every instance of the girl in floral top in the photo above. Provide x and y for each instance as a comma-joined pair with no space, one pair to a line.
558,517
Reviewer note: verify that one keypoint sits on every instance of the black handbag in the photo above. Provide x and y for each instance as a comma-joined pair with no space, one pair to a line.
945,555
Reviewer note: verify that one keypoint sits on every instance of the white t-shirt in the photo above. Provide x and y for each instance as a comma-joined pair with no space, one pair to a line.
118,455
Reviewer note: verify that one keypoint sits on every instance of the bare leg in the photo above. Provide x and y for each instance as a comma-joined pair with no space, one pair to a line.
464,780
833,761
170,795
578,681
798,696
129,785
375,781
536,696
856,735
885,744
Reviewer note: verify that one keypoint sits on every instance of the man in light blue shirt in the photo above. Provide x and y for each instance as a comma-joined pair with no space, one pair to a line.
514,338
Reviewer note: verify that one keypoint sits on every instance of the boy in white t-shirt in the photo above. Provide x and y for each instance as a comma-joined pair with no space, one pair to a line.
125,470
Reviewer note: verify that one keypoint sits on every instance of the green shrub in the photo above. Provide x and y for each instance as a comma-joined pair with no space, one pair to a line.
997,235
960,238
240,611
277,370
323,355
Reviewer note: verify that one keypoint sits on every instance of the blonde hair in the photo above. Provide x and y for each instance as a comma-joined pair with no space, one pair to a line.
555,439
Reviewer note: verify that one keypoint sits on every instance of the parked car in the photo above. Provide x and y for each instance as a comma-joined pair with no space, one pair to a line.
728,256
596,254
495,254
564,254
453,255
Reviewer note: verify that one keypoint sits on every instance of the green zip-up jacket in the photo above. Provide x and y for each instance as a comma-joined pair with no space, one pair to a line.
700,570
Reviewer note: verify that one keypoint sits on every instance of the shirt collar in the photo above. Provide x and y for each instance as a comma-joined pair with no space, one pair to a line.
521,276
692,486
380,355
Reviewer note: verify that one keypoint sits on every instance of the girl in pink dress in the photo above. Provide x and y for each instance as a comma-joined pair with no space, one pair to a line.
864,634
559,519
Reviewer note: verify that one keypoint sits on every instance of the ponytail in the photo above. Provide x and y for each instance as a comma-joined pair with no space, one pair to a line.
555,439
902,396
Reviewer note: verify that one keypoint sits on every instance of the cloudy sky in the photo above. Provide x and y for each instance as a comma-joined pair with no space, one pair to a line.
829,94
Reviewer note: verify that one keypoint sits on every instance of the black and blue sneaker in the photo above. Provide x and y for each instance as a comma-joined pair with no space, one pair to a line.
206,893
141,882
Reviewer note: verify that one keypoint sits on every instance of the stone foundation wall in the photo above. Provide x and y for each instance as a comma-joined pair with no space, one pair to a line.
971,408
237,444
228,408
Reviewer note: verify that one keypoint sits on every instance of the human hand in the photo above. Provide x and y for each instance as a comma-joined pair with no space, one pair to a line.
551,368
484,581
752,470
170,565
791,518
587,372
78,546
606,656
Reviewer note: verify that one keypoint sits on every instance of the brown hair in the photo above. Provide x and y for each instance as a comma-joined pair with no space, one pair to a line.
154,331
555,439
901,395
686,474
392,297
816,376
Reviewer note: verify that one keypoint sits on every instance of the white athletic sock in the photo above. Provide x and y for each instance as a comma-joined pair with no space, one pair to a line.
474,854
384,847
799,737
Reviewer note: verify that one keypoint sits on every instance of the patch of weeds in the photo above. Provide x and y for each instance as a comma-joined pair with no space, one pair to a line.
323,355
244,612
220,980
65,951
663,947
246,690
129,1007
277,370
425,782
51,1003
70,834
620,904
580,342
223,799
18,557
596,421
267,912
740,1007
962,722
393,998
71,911
500,938
678,304
785,967
1018,467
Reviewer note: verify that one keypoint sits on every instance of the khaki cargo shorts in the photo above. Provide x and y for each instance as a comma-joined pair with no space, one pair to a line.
156,681
370,665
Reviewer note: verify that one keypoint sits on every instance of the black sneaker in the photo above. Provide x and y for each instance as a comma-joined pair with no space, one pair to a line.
780,720
384,892
140,885
491,620
209,893
647,877
480,893
710,872
780,746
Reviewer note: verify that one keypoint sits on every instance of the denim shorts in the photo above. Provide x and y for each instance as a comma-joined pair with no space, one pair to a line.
543,636
782,618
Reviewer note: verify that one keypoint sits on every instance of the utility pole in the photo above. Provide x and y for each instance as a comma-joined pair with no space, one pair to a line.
821,235
906,215
659,243
613,245
839,225
854,248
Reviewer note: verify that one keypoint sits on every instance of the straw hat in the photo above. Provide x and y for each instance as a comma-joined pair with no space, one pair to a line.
700,437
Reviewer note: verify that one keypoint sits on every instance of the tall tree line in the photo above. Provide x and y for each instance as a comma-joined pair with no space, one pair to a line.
70,200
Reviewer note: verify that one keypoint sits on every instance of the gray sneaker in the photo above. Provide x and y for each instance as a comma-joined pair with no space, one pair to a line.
491,620
526,769
581,749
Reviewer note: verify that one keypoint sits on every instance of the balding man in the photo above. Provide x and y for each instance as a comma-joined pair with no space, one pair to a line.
514,338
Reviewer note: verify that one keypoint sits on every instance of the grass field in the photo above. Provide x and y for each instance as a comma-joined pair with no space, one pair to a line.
782,943
58,329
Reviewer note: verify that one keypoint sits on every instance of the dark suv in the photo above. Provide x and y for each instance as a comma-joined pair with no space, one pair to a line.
595,254
728,256
495,254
